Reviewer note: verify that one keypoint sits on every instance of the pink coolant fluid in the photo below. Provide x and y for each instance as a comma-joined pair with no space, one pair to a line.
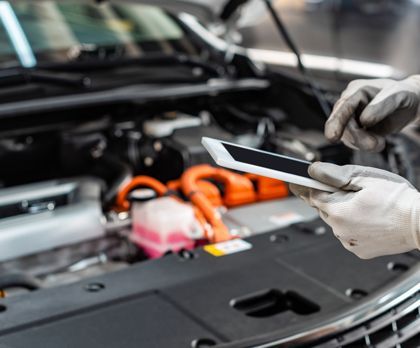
164,224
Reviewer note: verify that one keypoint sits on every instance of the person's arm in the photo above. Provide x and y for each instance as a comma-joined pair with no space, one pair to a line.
370,109
373,213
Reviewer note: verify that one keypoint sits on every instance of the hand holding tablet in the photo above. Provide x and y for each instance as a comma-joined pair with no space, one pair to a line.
263,163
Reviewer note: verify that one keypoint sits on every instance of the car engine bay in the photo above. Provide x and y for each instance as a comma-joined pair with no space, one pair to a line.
75,218
107,192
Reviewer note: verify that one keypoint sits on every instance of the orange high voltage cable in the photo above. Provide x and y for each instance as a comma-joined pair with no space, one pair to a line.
122,202
238,190
268,188
210,190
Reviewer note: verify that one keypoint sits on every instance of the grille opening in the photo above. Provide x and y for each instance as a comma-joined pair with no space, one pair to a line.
399,327
381,335
413,342
357,344
408,319
271,302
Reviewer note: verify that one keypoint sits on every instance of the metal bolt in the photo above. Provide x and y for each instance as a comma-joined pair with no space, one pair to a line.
94,287
203,342
320,230
397,266
356,294
186,254
148,161
157,145
197,72
279,238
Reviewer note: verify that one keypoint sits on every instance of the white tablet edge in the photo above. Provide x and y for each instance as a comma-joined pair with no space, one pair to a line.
222,157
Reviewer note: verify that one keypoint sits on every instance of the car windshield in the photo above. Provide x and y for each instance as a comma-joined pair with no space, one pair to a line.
52,31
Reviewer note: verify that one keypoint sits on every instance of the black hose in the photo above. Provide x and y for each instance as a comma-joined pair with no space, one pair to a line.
124,173
287,38
241,115
230,8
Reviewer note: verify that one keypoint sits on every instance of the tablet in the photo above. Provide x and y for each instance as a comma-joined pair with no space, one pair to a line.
246,159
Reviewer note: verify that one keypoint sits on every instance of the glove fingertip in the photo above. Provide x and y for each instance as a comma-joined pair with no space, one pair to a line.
372,142
333,130
369,117
380,146
315,169
377,111
297,190
328,173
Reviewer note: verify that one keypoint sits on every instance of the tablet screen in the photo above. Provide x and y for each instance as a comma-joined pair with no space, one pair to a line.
269,161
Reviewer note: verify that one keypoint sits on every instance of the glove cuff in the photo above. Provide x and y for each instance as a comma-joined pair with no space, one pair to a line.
414,79
415,221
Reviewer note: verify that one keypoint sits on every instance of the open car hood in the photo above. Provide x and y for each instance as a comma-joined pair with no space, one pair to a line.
208,11
205,10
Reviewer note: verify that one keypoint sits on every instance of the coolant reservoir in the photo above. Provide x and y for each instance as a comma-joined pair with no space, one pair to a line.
164,224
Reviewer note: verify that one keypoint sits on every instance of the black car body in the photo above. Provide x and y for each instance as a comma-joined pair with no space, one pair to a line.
82,112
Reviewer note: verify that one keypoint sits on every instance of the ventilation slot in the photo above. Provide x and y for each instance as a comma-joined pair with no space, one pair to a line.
271,302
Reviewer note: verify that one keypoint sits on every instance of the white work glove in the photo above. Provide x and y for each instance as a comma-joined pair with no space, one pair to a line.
370,109
373,213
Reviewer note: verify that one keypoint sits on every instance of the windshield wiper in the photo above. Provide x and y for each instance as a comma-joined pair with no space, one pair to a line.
72,73
150,60
19,76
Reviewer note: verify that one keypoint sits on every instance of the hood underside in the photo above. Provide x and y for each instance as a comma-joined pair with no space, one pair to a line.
205,10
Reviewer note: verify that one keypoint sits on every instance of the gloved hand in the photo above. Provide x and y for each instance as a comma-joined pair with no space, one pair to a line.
373,213
370,109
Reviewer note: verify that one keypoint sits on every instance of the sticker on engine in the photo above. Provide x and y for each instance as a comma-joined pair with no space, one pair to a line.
285,219
228,247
